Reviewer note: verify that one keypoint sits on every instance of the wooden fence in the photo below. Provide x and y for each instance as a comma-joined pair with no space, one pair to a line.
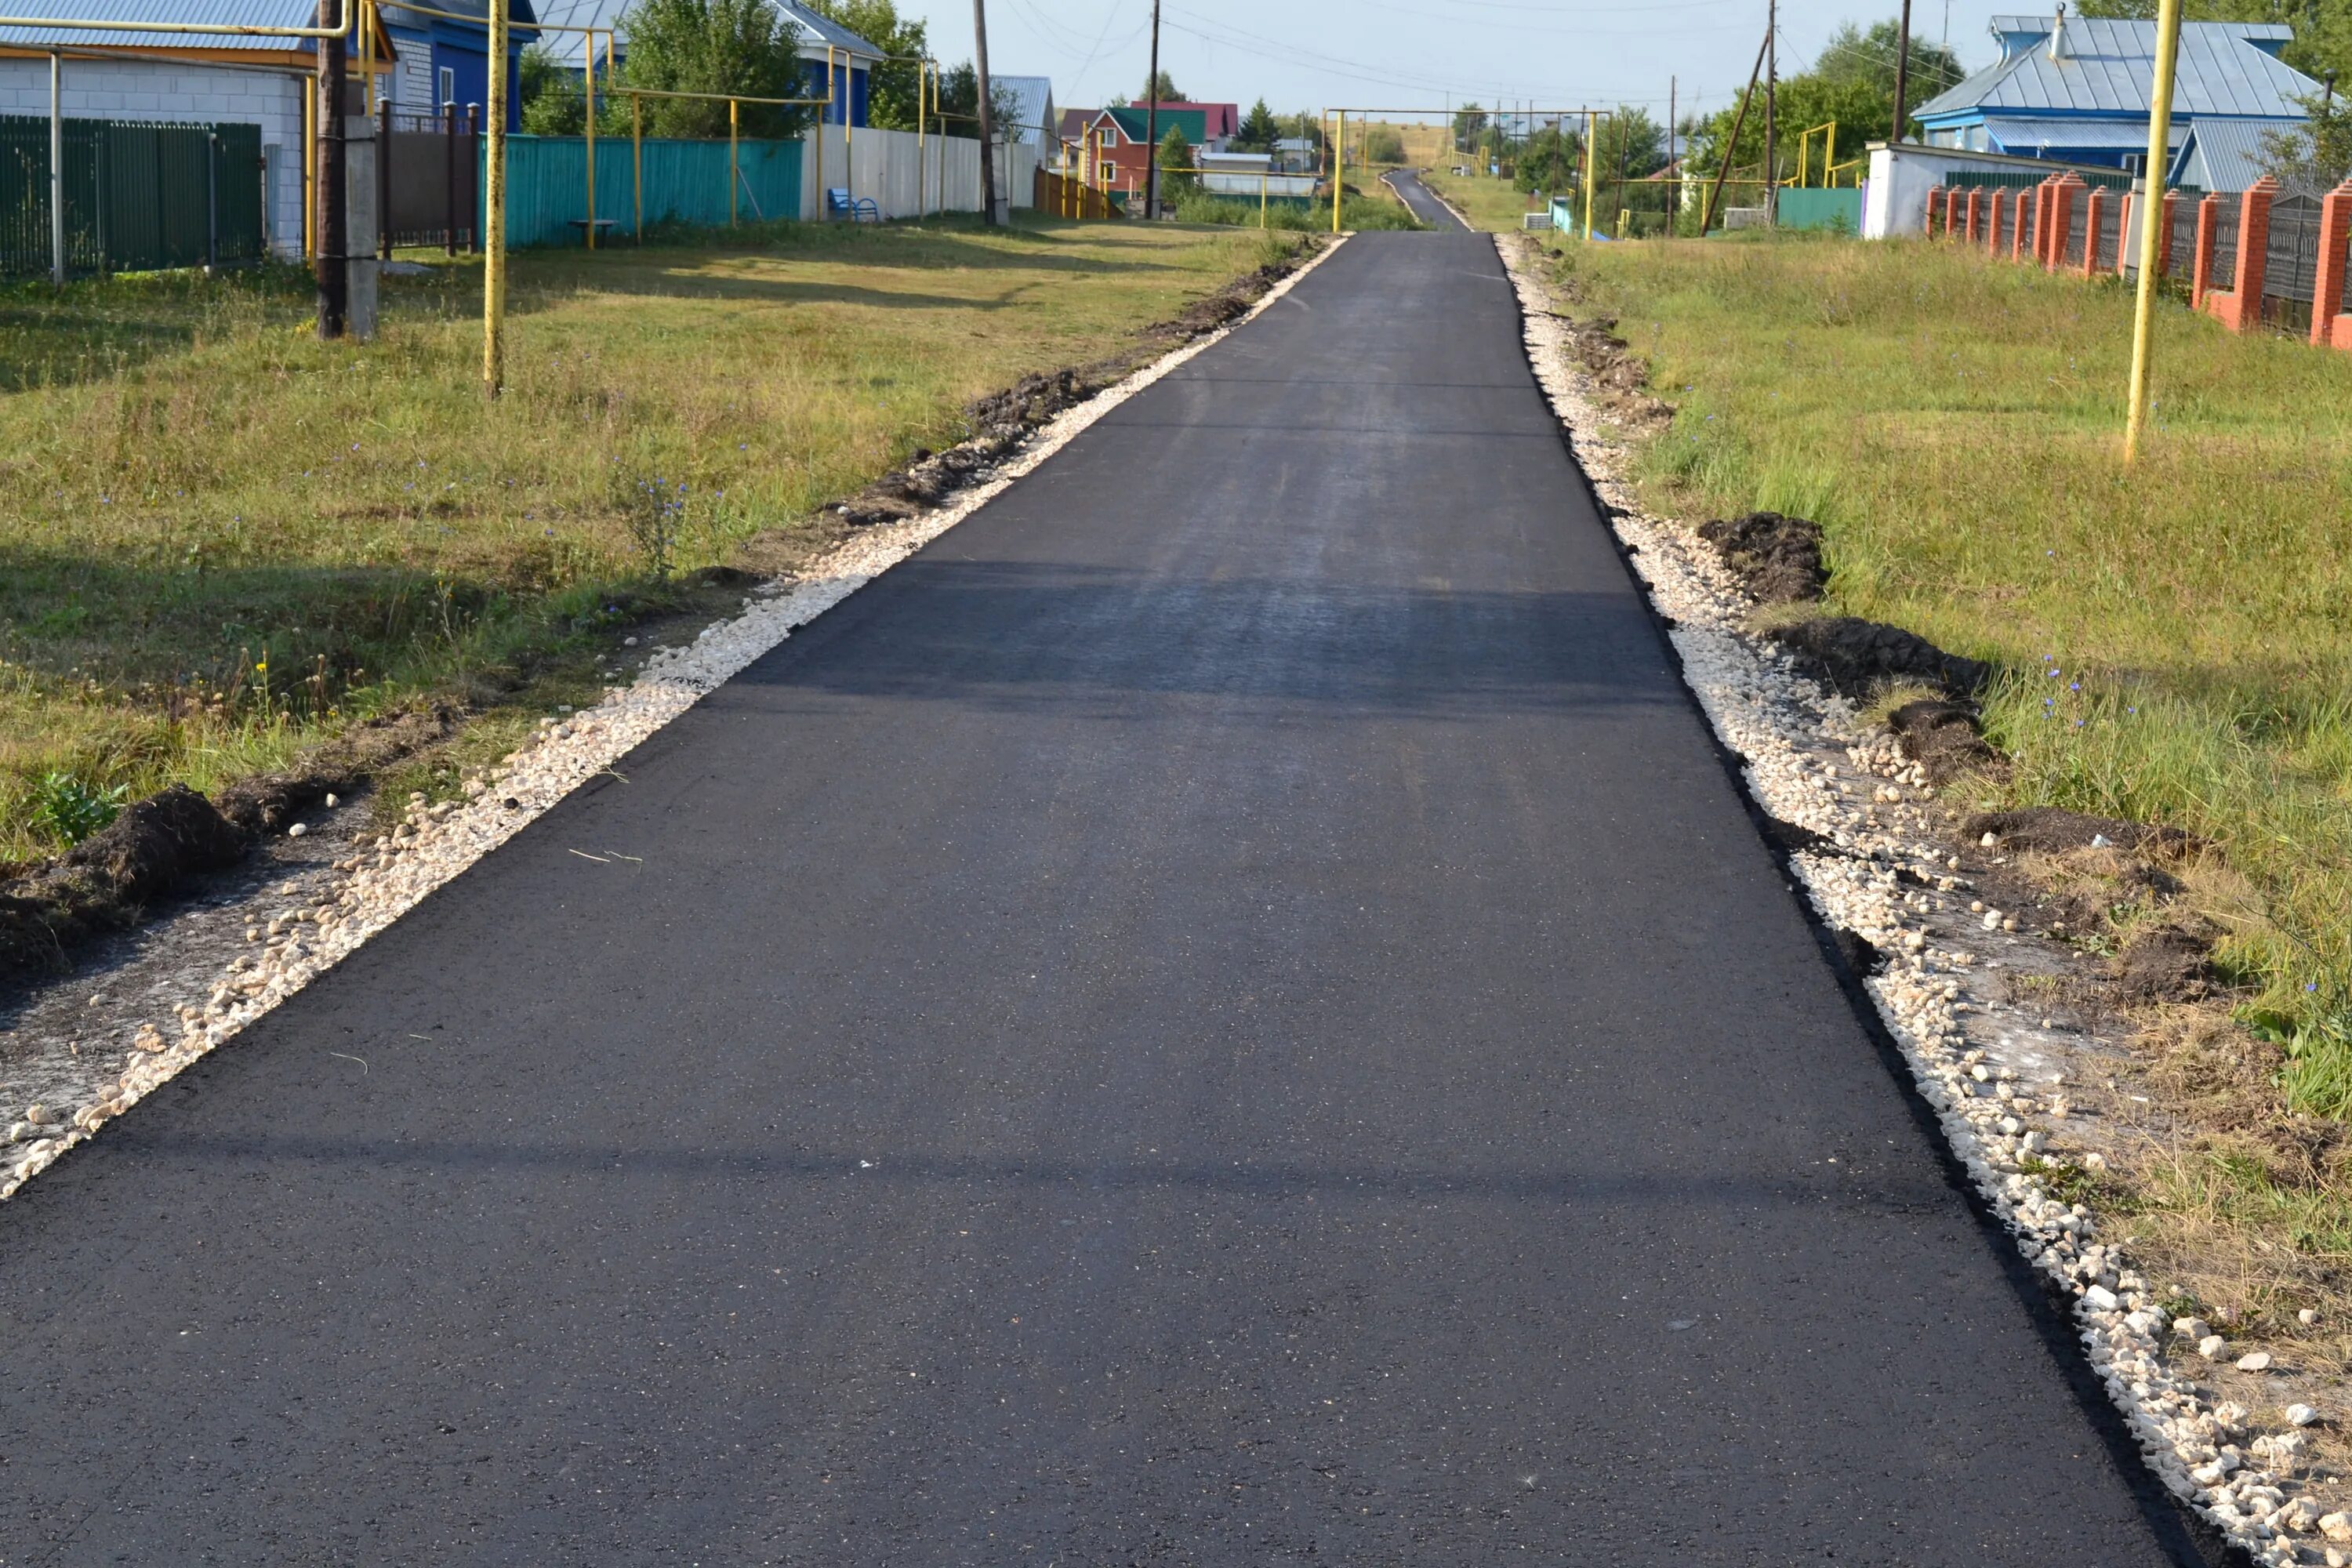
1065,197
2255,259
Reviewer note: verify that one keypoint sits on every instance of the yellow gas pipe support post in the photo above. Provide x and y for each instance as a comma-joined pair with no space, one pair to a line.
637,160
733,122
310,167
1261,200
588,77
494,213
2151,221
1339,168
1591,146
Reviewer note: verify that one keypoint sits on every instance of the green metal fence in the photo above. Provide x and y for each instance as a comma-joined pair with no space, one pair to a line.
1836,209
2019,179
685,182
138,196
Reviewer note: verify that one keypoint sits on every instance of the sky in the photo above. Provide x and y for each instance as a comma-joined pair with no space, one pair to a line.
1384,54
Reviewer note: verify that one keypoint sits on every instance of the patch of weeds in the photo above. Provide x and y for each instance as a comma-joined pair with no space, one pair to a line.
654,513
70,808
2317,1073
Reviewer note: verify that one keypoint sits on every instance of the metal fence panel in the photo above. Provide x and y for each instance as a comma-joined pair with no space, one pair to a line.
2110,237
2078,219
2184,237
685,182
2225,245
138,196
2290,265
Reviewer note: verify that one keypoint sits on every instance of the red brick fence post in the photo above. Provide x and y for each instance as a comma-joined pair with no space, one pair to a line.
2329,325
2240,306
2200,264
2164,240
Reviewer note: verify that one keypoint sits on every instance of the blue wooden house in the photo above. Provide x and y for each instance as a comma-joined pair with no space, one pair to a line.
2076,89
442,61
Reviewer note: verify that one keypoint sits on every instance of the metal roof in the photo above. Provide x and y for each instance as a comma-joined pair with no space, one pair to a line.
208,12
2226,154
816,31
2106,65
2023,136
1033,101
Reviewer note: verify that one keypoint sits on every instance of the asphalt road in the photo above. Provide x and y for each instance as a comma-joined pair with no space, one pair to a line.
1226,1013
1424,205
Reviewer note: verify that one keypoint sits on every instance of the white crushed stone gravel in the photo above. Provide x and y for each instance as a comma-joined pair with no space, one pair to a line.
1881,880
286,948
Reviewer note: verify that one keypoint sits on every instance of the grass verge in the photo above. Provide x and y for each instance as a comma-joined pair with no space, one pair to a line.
222,542
2173,641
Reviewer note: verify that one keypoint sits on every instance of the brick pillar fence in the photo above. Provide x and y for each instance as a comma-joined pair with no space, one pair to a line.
1935,201
2025,200
1996,207
2124,234
2164,240
2240,306
2063,192
2327,287
2095,206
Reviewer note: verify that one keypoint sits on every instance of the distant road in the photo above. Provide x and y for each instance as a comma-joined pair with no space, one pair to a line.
1228,1012
1425,206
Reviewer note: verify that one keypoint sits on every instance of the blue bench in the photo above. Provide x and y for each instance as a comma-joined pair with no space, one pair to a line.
837,204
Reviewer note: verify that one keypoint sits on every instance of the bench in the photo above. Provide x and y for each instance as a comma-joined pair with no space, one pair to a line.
838,204
603,226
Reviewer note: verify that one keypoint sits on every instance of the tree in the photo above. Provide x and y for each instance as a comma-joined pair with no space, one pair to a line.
1258,130
743,46
553,103
892,83
1163,88
2311,159
1552,161
1867,55
1177,177
960,102
1469,120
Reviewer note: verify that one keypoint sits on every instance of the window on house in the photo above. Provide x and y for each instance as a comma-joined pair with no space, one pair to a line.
448,80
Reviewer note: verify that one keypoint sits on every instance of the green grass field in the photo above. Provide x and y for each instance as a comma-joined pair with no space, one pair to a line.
2177,636
221,540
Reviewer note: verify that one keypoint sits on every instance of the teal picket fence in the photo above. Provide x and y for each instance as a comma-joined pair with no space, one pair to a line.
685,182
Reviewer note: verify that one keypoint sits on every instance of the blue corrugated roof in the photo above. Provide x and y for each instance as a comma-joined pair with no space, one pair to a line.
205,13
2106,68
2026,137
2226,154
816,31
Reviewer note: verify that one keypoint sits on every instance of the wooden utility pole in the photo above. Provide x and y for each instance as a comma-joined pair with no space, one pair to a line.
1151,123
1771,111
494,213
987,125
1901,72
1707,216
334,277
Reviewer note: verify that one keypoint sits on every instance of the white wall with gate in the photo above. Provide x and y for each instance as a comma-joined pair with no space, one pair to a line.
903,178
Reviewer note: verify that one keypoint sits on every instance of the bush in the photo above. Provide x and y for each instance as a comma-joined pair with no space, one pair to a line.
1355,212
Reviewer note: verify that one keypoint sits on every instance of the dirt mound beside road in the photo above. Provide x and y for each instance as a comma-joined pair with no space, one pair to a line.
1778,559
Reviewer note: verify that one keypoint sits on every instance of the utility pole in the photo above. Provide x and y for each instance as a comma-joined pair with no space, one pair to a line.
987,125
334,280
1771,108
1674,171
1902,73
1707,216
1151,123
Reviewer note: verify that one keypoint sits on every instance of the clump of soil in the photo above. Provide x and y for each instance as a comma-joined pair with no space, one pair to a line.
157,844
1859,657
1777,559
1619,376
1942,737
2166,963
2049,830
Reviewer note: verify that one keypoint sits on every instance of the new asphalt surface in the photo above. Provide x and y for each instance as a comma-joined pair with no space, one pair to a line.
1420,202
1227,1012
